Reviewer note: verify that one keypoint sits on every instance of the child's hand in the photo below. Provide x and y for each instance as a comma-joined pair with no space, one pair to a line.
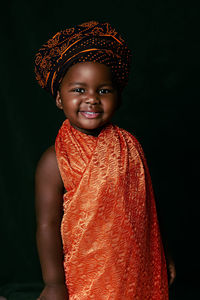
54,292
171,269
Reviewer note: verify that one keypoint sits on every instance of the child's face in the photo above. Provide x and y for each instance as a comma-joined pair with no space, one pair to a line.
88,96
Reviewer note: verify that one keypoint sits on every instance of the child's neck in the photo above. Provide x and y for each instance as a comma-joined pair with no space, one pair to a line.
93,132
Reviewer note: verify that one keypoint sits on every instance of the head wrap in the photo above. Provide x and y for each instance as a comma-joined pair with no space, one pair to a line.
91,41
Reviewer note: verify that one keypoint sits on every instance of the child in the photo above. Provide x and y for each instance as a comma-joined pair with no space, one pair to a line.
109,236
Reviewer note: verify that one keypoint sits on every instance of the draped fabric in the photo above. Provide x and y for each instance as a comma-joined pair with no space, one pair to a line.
111,239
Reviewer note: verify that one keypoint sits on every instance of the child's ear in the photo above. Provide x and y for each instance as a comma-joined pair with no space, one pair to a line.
58,100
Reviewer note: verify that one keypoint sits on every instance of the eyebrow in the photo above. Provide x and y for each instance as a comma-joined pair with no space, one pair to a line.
77,83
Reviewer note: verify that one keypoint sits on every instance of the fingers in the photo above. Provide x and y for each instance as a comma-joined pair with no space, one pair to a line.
172,273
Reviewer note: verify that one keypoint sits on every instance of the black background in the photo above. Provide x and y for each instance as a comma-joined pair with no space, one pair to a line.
160,107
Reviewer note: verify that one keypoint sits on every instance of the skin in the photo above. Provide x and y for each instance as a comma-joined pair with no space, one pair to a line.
49,197
88,87
88,98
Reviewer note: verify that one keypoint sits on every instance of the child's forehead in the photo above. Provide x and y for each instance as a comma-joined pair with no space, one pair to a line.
85,69
88,42
88,72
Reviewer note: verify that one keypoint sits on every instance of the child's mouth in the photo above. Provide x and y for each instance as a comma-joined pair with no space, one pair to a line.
90,114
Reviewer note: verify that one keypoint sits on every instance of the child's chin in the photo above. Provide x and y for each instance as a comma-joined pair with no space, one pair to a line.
91,124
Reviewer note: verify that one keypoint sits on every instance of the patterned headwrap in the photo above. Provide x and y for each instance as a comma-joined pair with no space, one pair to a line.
91,41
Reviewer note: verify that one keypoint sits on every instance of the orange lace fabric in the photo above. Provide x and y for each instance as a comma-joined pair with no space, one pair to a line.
111,239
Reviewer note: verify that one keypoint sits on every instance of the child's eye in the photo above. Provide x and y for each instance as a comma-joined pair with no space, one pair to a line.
104,91
79,90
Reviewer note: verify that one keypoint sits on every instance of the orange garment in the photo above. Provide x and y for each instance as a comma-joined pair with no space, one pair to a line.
111,239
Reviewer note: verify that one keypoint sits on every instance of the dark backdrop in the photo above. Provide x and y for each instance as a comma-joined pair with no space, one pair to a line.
160,106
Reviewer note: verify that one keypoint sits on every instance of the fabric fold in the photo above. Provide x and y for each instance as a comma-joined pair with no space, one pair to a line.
110,232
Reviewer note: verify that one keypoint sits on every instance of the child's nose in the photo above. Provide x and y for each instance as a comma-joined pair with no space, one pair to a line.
92,98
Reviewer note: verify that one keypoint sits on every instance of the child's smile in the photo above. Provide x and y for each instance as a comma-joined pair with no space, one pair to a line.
90,114
88,96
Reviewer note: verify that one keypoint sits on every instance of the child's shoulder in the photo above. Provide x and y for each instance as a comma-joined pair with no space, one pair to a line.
131,136
133,142
48,158
47,166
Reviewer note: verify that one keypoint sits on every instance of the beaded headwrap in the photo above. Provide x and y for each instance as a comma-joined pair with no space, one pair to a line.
91,41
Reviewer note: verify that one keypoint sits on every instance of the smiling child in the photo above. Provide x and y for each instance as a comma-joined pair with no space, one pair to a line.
98,235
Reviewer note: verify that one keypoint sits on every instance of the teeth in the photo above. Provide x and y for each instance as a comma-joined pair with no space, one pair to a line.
90,113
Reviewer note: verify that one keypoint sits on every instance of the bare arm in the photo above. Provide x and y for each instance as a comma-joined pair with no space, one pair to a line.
49,211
